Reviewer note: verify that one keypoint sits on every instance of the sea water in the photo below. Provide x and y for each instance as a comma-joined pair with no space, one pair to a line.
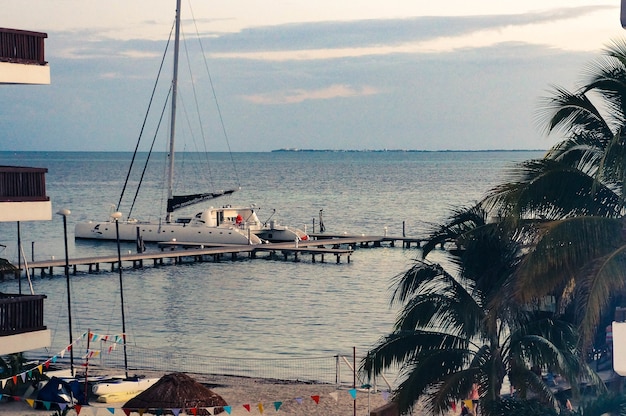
248,308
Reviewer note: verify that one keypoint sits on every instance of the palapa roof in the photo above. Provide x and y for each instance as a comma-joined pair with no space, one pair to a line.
176,391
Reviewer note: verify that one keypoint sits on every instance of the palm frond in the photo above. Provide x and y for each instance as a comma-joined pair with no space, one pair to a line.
602,279
563,249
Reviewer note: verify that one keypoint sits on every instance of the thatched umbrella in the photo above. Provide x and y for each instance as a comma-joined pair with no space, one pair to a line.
176,391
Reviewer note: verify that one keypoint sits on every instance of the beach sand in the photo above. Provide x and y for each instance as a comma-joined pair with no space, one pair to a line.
241,393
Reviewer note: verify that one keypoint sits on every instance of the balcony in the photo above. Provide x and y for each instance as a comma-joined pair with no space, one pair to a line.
23,194
21,323
22,57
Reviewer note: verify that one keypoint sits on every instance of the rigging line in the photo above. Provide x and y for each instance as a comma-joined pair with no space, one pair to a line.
205,175
145,166
217,105
201,125
143,125
30,282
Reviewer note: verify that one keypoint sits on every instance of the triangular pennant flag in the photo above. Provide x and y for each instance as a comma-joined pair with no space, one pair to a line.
47,405
299,400
14,378
176,411
62,406
23,377
210,410
260,407
277,405
69,347
77,408
247,407
228,409
353,393
385,395
31,402
53,359
316,399
126,411
334,395
16,398
30,373
3,382
111,410
40,368
194,411
62,353
159,412
141,412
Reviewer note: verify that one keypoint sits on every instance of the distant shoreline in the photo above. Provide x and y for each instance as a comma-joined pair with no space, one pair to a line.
402,151
290,151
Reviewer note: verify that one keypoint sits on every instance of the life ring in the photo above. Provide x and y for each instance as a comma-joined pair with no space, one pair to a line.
239,219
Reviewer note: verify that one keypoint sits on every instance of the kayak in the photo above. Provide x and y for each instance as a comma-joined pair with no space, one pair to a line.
123,385
117,397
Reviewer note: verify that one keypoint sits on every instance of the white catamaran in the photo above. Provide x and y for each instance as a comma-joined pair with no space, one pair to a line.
212,226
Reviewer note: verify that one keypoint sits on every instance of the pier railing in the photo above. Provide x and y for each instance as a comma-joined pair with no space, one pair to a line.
22,46
21,313
22,184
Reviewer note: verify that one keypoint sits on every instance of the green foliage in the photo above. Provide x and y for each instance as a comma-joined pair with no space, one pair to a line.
513,406
605,405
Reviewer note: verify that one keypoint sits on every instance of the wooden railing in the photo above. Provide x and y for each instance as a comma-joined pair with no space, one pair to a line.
21,313
20,184
22,46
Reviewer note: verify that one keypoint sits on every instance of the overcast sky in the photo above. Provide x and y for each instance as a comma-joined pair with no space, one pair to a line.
340,74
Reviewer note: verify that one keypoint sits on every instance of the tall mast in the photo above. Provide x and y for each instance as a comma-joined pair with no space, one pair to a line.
170,178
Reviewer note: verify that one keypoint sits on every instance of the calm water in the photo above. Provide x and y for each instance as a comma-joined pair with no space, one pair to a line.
252,308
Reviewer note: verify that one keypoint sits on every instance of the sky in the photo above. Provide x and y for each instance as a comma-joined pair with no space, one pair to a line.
357,74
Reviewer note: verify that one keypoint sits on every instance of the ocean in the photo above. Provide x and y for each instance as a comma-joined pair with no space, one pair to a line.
249,308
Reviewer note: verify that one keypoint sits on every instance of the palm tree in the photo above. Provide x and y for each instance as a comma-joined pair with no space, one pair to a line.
460,329
575,198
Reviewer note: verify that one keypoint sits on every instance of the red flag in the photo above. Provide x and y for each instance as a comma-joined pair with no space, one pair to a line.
316,399
247,406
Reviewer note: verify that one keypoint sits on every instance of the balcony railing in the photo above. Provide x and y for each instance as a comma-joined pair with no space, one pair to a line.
22,46
21,313
21,184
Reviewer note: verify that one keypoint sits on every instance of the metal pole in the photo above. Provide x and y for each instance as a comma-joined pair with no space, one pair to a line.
19,259
119,268
65,213
354,374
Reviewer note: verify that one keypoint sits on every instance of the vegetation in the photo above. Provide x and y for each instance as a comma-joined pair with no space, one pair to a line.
532,271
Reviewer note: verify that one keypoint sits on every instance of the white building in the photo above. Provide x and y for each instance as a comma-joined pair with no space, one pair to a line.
23,194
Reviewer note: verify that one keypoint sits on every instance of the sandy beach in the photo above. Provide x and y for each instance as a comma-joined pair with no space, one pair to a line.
249,396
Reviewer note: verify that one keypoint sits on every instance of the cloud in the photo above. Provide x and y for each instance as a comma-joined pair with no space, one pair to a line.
377,32
300,95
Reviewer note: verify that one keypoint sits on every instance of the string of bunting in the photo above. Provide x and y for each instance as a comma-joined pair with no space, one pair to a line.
28,374
260,407
118,339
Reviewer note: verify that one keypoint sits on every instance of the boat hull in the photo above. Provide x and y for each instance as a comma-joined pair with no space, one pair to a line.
123,386
153,232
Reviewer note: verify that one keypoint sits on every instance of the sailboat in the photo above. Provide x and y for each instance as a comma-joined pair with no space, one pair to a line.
223,225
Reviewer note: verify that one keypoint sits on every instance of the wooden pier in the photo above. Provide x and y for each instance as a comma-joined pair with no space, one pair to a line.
173,252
